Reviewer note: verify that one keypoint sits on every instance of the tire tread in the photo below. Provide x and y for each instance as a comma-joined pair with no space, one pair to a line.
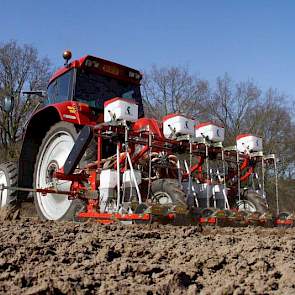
10,170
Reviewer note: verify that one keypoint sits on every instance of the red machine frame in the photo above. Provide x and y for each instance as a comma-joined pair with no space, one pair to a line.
141,133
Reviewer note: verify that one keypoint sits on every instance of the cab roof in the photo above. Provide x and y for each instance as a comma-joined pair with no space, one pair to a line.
79,63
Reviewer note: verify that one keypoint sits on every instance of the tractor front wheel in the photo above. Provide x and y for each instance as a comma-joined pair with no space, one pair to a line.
52,155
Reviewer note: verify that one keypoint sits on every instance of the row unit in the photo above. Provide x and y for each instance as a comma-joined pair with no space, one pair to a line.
174,125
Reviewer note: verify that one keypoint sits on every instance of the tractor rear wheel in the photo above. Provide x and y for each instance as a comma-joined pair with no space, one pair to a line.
8,177
52,155
168,191
252,202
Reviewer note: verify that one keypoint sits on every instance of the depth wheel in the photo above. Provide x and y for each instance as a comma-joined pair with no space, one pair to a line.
284,215
252,202
52,155
168,192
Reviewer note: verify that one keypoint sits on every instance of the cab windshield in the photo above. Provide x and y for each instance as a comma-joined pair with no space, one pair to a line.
95,89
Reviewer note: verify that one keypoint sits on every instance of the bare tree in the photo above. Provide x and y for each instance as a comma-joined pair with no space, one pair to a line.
272,120
20,69
229,104
171,90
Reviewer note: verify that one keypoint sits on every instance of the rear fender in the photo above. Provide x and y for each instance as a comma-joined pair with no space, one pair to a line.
76,113
39,124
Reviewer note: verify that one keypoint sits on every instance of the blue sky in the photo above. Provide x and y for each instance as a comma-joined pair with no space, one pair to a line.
247,39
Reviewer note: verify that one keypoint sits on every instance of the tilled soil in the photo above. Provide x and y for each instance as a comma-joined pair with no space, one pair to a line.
66,258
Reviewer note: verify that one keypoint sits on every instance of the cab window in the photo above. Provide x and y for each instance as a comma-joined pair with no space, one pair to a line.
95,89
60,89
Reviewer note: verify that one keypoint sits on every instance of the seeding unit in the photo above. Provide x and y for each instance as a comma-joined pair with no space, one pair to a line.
91,153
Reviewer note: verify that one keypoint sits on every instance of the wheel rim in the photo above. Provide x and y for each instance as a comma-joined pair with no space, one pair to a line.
3,181
53,156
163,198
245,205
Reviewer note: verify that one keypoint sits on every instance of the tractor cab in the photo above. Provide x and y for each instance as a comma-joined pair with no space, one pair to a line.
93,81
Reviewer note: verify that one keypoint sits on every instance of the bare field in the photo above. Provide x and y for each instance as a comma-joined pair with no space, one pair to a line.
66,258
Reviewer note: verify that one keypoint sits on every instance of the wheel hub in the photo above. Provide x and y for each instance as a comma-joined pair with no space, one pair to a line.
245,205
52,167
163,198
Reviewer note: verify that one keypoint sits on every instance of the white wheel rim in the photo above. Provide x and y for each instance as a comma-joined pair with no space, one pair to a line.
245,205
163,198
4,193
55,153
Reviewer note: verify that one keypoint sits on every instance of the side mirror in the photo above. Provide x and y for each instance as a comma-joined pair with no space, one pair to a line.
7,104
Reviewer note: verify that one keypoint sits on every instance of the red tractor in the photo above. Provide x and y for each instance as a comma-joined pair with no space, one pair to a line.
75,98
91,153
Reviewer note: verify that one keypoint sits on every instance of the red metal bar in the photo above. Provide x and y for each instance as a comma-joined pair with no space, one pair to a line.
210,220
247,175
140,154
195,167
91,206
73,177
92,180
284,222
139,137
244,164
170,216
114,216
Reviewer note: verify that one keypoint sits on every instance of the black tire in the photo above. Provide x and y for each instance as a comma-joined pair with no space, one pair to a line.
75,204
9,171
253,200
168,188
